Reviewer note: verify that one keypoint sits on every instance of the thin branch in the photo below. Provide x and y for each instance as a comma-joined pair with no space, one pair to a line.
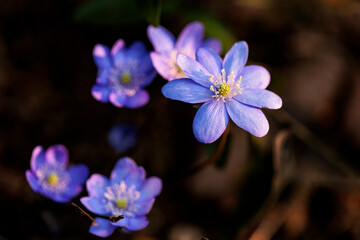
84,213
314,143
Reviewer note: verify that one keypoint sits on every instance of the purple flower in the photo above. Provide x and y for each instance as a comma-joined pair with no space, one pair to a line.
166,49
227,88
49,176
122,74
122,136
126,193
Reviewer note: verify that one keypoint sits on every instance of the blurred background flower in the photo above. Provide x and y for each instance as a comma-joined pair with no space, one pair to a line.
122,74
122,137
167,49
50,176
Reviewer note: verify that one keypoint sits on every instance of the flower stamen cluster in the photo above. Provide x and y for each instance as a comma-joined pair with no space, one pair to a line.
121,199
225,87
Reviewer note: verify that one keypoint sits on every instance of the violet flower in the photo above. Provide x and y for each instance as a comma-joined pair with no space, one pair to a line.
50,177
126,193
227,88
167,49
122,74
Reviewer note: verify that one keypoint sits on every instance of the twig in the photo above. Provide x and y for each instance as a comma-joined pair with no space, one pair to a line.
84,213
314,143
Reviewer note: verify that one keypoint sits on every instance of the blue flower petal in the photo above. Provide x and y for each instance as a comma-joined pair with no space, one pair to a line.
78,173
210,60
186,90
96,185
33,181
119,45
102,56
119,60
137,223
236,58
213,44
117,99
254,76
103,76
140,98
103,228
190,39
37,158
210,121
122,168
259,98
151,188
95,205
72,190
162,40
57,155
150,75
136,51
248,118
136,177
144,207
194,70
100,93
122,222
161,64
60,198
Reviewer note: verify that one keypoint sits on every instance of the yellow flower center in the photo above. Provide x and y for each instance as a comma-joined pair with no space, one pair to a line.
225,86
52,179
224,89
121,203
125,78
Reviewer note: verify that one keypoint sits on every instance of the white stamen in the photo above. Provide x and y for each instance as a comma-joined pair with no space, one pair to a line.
225,86
125,193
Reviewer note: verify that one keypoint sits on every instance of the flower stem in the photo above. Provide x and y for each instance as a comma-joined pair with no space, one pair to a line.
84,213
113,219
215,156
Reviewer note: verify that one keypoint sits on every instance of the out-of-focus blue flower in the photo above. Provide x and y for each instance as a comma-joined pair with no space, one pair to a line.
227,88
122,74
50,176
126,193
167,49
122,136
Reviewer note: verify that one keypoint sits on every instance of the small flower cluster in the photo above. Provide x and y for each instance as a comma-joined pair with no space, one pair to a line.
226,88
127,193
196,74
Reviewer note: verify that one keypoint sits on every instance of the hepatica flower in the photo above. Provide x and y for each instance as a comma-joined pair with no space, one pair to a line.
227,88
126,193
122,74
50,176
167,49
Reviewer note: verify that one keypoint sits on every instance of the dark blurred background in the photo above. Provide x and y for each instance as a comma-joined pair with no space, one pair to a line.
301,181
